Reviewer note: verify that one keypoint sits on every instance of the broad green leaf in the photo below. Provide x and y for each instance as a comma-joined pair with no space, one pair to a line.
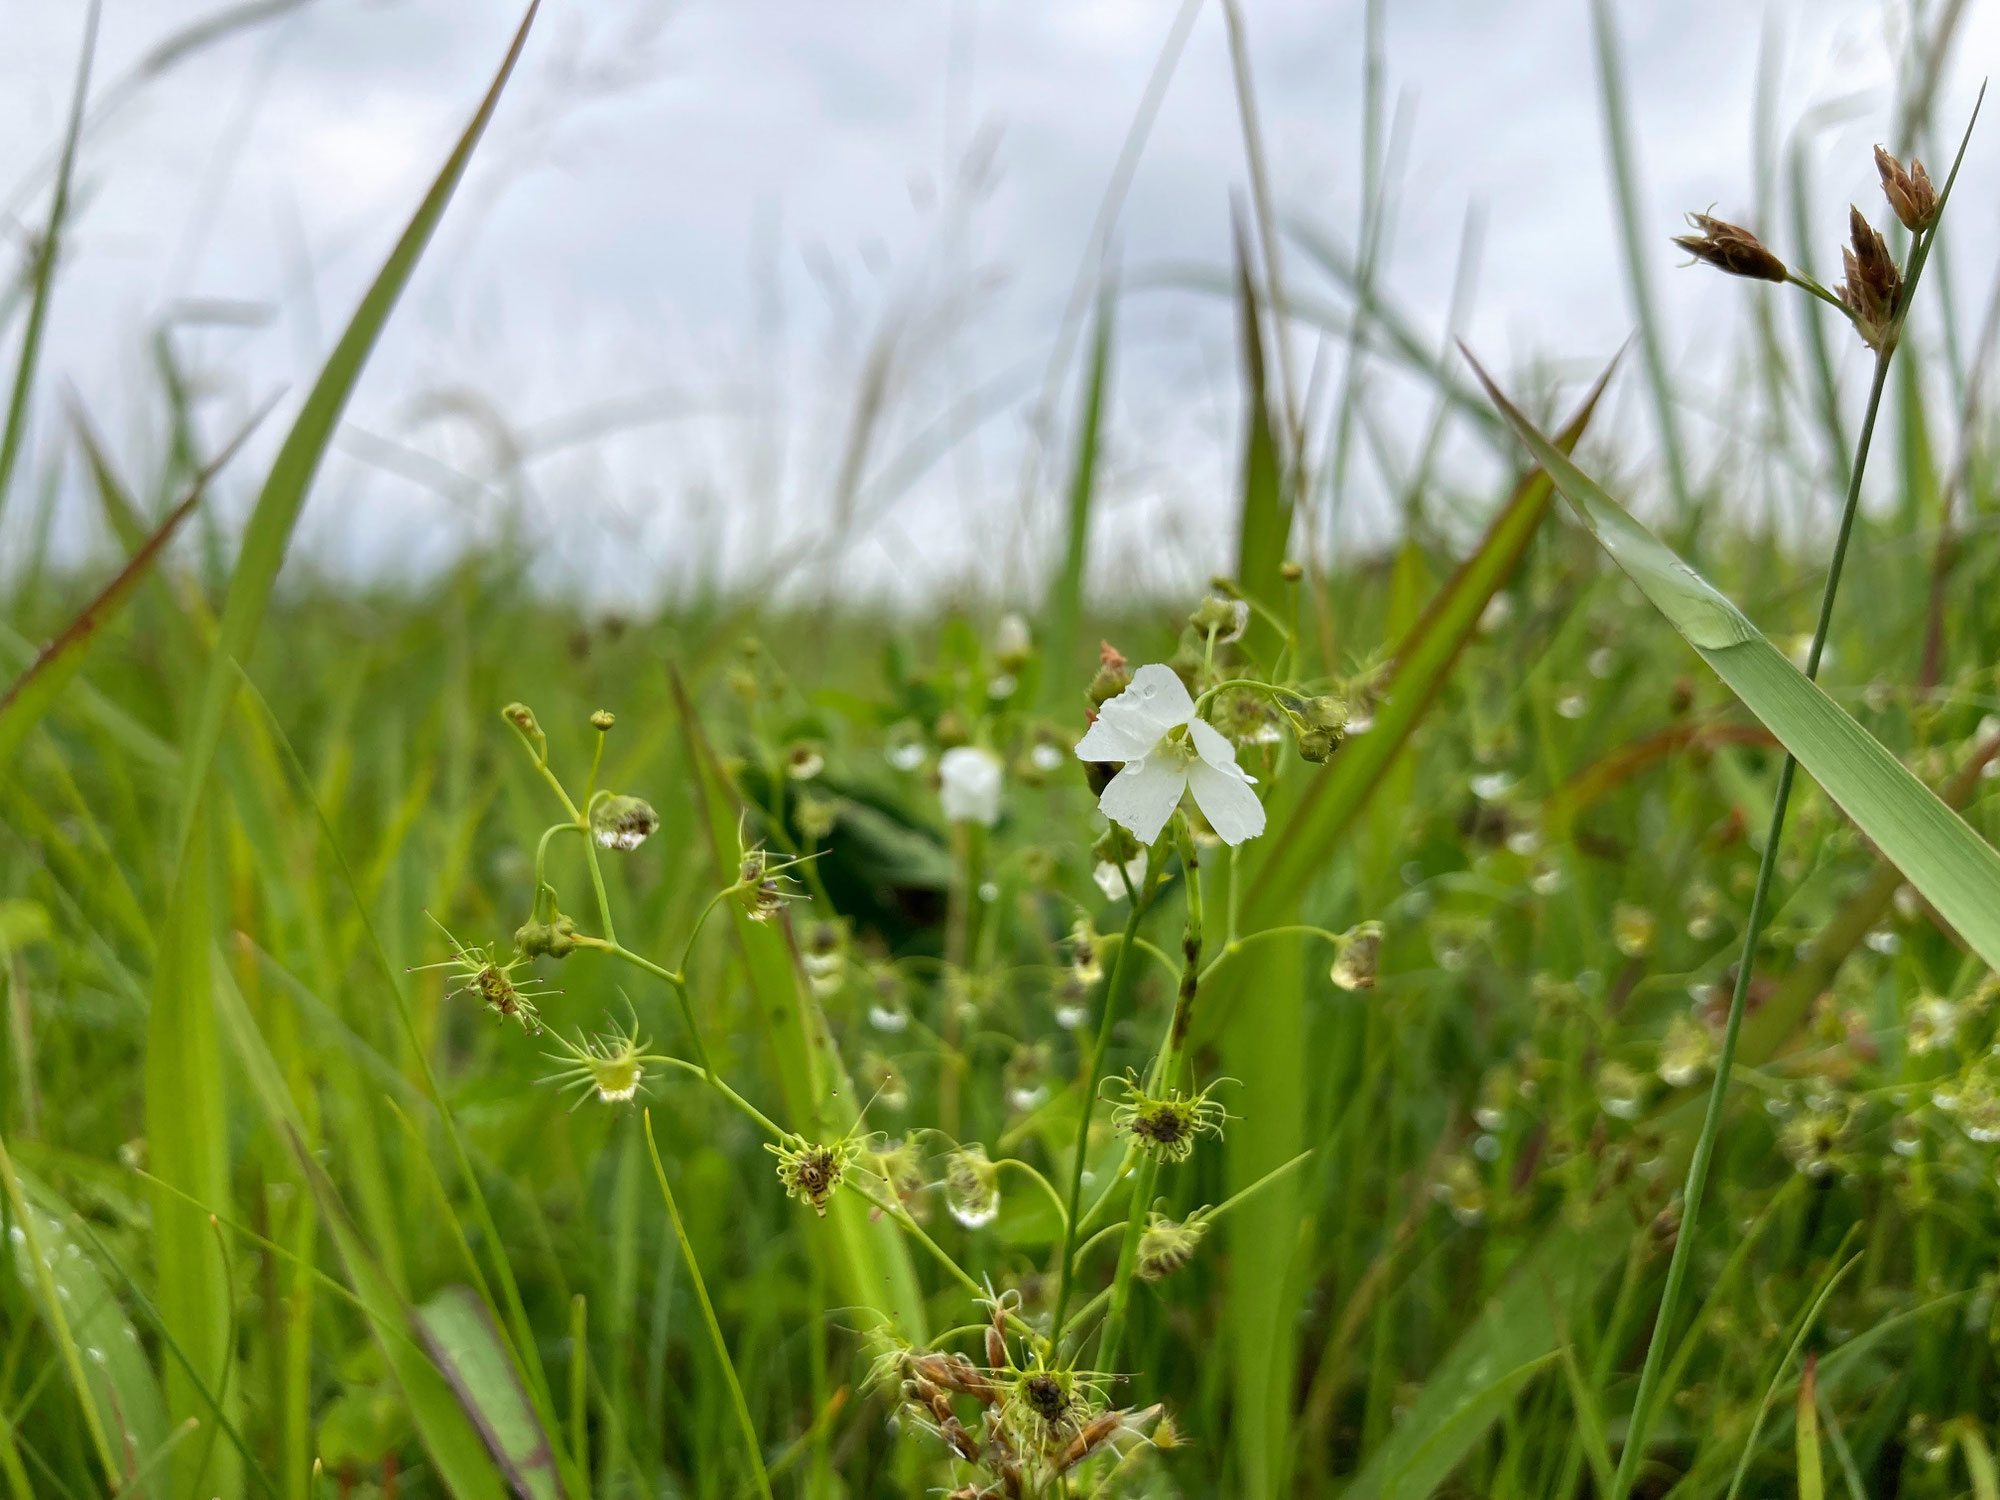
1951,866
466,1346
105,1361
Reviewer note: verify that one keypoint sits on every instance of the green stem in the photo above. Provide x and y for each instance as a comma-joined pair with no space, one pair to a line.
1711,1125
708,1314
1165,1074
1114,991
1236,945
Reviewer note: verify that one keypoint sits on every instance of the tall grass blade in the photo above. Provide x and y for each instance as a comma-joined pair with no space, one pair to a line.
1066,599
1264,524
35,691
46,253
1625,187
1951,866
1805,1432
269,532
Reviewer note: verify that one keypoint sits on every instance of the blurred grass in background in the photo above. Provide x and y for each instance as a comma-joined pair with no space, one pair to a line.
215,879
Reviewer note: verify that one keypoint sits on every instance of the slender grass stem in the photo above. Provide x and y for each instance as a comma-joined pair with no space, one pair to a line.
742,1407
1711,1125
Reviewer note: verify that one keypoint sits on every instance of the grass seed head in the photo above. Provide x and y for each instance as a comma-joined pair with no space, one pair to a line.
1732,248
1872,283
1908,190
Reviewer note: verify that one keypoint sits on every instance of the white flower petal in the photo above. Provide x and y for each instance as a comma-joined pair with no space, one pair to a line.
1112,883
1144,795
1116,738
1231,807
969,780
1216,750
1134,721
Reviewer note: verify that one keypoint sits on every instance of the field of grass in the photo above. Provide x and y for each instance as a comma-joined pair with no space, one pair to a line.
461,1042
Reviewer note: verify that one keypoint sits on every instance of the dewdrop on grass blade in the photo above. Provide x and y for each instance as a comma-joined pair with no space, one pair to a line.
620,822
971,1187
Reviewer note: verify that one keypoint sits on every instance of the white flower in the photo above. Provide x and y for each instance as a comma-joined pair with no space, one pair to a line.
1152,727
969,785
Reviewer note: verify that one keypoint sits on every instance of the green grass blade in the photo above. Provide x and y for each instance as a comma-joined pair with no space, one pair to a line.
36,690
1951,866
46,253
269,533
1625,186
465,1344
1423,660
1264,524
447,1434
115,1390
1979,1463
1805,1429
1066,599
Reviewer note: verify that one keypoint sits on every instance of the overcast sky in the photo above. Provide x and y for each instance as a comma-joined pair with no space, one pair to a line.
700,234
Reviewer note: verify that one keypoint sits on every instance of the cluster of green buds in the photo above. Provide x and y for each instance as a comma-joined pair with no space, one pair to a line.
555,938
1318,724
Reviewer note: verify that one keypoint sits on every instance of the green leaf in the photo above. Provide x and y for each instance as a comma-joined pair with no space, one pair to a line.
1951,866
466,1346
1805,1430
101,1351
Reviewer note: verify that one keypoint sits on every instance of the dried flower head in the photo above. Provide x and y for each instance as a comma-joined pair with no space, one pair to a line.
1732,248
811,1170
480,973
1872,283
1357,956
1908,190
762,885
1167,1126
1043,1410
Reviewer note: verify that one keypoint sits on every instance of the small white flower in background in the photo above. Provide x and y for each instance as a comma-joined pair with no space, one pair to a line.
1152,727
1112,883
969,785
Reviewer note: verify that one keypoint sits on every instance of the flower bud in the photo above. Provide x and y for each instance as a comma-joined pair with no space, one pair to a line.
1012,643
1356,956
950,729
602,720
1112,678
1732,248
1909,192
619,822
1872,284
555,939
1225,619
804,760
1291,572
522,718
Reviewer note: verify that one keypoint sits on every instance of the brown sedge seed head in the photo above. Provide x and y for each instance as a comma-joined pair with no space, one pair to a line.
1731,248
